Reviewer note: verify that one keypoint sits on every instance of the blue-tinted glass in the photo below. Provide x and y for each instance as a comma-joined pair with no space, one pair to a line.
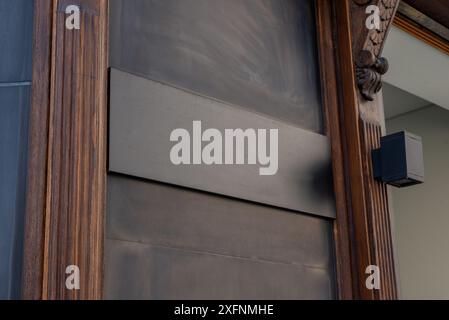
16,34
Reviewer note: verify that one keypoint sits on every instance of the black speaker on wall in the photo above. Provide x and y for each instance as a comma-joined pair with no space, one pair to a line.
399,161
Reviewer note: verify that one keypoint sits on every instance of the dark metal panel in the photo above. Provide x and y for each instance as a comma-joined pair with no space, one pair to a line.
140,271
14,108
157,214
144,113
16,26
166,242
258,54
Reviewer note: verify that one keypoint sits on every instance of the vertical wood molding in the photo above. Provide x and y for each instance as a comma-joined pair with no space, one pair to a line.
37,153
328,69
371,235
378,219
378,215
69,212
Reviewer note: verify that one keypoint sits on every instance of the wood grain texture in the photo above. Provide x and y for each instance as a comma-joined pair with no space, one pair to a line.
364,38
378,215
69,212
37,153
328,68
353,161
438,10
368,203
368,44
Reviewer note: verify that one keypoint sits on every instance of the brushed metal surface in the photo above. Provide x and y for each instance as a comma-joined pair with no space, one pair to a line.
257,54
143,113
166,242
159,214
221,231
139,271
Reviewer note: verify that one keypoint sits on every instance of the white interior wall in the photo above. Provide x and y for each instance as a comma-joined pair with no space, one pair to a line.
417,67
420,73
422,212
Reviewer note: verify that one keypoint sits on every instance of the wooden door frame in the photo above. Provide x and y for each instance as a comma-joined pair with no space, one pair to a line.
66,193
358,52
362,230
68,150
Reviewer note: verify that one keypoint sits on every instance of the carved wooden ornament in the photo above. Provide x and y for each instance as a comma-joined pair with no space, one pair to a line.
369,65
369,71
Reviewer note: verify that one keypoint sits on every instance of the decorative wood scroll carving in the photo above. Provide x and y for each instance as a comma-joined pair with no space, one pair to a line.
370,66
376,37
369,71
371,234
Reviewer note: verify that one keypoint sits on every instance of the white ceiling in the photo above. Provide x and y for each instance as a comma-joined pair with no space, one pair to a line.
416,68
398,101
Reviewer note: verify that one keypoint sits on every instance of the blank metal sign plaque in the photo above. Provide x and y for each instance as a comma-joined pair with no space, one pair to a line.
143,114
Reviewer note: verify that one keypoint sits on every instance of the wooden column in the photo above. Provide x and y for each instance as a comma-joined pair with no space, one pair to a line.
330,88
67,166
361,67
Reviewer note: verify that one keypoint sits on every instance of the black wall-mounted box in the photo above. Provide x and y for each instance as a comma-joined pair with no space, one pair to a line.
399,161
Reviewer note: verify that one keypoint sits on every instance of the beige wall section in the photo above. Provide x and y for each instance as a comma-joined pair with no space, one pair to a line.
417,67
422,212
